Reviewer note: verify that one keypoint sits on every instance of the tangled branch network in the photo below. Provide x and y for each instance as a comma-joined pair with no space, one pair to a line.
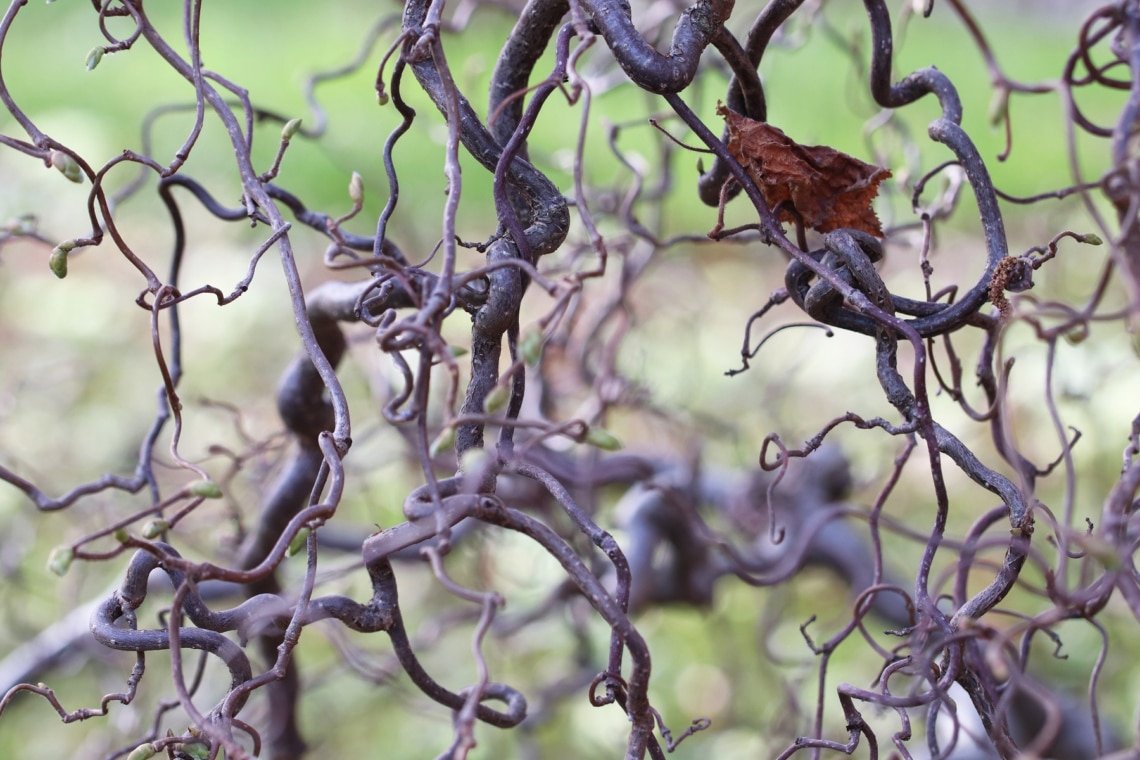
505,382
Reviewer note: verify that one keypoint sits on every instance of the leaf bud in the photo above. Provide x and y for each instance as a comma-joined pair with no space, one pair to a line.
444,441
291,128
297,545
24,224
207,489
66,165
602,438
496,399
57,261
474,461
143,752
999,106
60,559
155,528
530,346
1077,333
94,57
356,188
196,750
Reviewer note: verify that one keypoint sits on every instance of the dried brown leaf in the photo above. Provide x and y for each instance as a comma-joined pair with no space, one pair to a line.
829,189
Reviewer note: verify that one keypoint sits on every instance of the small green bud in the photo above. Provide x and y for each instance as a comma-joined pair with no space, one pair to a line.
291,128
24,224
356,188
1077,334
381,98
530,346
1091,239
94,57
155,528
496,399
66,166
207,489
60,559
457,351
444,441
57,261
143,752
196,750
297,545
999,106
474,461
121,535
603,439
